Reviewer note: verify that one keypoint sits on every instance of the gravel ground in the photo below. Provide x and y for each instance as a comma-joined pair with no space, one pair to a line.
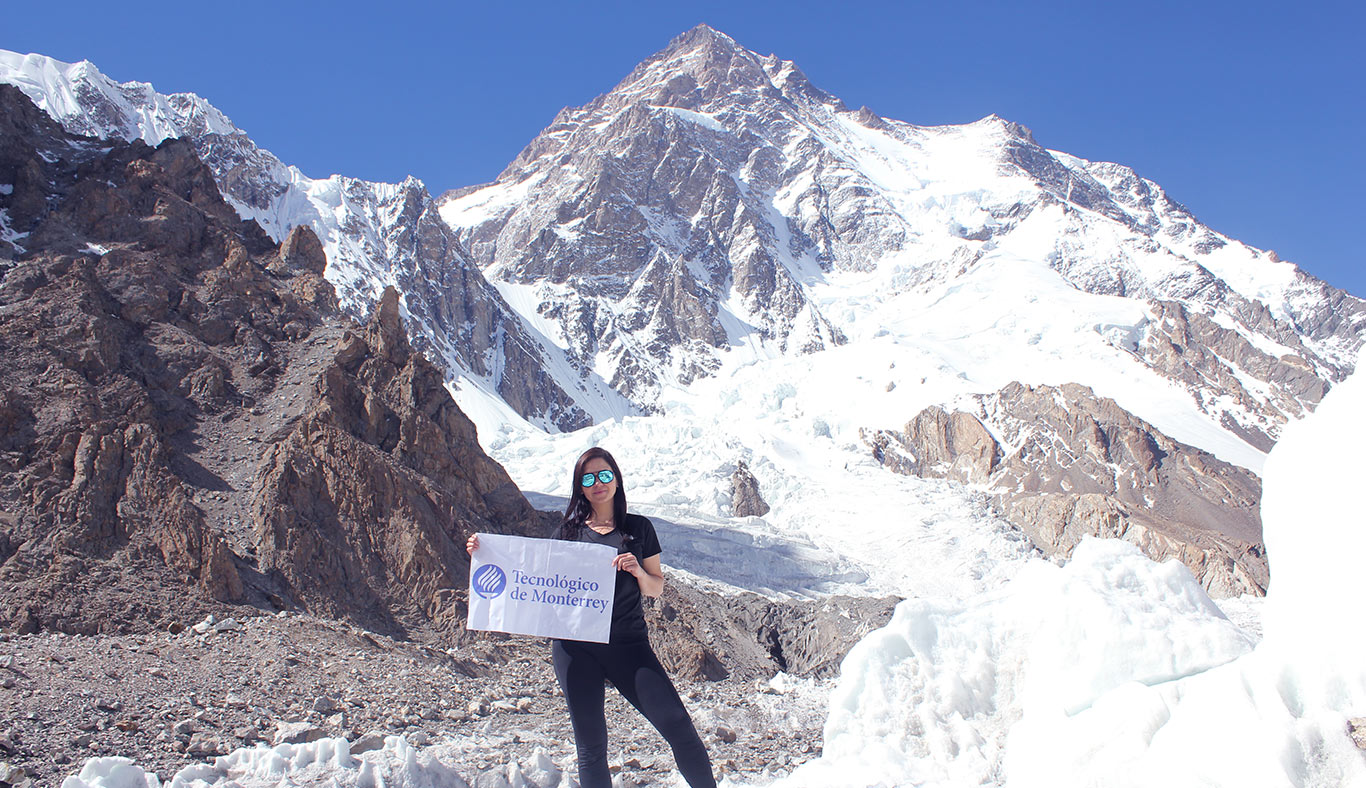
169,700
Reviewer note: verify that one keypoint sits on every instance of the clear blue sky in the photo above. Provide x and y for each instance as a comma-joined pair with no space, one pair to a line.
1250,113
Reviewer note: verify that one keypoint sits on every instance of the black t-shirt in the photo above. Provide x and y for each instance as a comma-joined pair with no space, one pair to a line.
638,537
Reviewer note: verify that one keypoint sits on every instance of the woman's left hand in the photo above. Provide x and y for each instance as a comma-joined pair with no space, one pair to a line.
626,562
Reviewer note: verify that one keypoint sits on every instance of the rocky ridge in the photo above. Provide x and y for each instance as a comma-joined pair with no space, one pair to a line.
139,307
179,413
372,233
1064,463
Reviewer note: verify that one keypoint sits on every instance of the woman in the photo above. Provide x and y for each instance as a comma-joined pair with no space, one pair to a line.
597,513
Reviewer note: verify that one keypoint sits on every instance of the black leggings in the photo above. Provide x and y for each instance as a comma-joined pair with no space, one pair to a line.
635,671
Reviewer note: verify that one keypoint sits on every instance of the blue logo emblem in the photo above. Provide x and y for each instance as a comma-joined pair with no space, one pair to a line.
489,581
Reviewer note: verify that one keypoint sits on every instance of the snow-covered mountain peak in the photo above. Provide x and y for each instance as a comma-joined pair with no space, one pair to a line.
88,102
715,209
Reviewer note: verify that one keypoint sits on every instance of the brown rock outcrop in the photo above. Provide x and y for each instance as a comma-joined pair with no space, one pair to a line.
364,506
1066,463
745,500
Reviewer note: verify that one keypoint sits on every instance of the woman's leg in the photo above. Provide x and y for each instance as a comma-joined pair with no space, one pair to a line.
637,674
581,679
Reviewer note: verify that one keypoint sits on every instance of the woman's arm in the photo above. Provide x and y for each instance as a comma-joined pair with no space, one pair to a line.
647,573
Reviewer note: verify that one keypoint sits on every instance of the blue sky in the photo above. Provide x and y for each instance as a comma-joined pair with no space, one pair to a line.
1251,113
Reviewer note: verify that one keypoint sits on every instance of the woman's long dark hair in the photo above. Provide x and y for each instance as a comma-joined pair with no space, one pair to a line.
578,511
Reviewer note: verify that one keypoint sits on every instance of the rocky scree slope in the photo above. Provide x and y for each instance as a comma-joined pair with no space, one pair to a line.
374,234
171,700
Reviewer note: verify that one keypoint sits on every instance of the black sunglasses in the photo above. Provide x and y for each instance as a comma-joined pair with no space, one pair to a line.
589,479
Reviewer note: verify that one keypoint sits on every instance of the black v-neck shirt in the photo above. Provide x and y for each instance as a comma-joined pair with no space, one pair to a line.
637,537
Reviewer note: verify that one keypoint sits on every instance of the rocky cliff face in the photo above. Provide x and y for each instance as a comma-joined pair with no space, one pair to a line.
373,234
363,507
185,409
1065,463
136,306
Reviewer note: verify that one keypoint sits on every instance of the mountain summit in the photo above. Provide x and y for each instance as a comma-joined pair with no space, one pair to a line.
695,216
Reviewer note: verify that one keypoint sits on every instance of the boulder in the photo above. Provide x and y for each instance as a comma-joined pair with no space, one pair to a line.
745,500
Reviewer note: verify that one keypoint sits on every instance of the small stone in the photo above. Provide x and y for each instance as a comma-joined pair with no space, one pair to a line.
373,740
7,682
247,733
234,701
7,661
158,672
108,705
524,705
227,625
325,705
725,734
82,741
1356,729
175,628
202,744
184,727
296,733
478,708
205,625
126,725
419,739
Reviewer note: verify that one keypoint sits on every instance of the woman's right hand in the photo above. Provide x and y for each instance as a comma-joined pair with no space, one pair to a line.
472,544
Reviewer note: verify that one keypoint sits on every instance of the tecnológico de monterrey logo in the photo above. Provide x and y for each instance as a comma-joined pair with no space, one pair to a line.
489,581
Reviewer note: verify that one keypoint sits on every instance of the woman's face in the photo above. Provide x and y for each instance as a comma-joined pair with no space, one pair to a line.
599,493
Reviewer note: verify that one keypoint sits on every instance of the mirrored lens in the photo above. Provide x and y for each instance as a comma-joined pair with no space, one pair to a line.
589,479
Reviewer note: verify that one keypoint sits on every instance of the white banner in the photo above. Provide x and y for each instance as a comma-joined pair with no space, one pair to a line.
543,587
